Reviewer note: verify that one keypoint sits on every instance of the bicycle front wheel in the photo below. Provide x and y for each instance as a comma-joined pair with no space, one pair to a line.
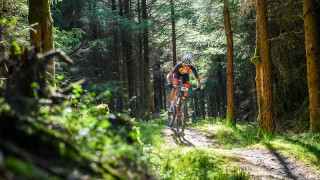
182,116
173,117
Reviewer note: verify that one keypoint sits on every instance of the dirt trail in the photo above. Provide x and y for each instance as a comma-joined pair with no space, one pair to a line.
260,163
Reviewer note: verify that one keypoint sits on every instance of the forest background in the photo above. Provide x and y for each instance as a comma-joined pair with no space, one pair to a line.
127,46
123,50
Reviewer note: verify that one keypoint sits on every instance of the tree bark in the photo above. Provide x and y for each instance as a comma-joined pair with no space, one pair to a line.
148,93
196,105
173,25
124,67
117,58
230,80
129,61
220,92
253,98
160,91
2,69
311,14
267,86
202,104
256,60
142,96
39,12
164,92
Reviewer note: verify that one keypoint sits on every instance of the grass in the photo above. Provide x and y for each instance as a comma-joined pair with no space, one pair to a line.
227,136
197,164
303,147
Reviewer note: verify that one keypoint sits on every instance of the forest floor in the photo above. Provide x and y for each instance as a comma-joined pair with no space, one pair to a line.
260,163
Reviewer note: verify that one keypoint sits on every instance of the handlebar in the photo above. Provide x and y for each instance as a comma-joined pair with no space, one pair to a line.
176,87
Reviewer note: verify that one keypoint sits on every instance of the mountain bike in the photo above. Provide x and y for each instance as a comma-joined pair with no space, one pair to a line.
179,116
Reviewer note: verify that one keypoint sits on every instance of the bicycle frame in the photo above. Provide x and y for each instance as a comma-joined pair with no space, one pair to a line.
179,97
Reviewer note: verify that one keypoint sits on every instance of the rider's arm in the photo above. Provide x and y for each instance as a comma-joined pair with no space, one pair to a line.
194,70
175,69
168,77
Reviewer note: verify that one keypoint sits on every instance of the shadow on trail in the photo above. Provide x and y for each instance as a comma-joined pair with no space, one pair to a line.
281,161
180,141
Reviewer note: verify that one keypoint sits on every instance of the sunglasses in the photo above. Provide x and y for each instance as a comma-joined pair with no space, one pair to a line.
187,65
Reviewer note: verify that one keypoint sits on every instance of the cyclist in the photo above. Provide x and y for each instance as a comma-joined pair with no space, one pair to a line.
182,70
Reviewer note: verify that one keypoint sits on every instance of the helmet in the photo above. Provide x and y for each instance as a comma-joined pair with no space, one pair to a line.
85,91
186,60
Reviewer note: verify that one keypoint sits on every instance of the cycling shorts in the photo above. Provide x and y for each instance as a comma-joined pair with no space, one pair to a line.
185,78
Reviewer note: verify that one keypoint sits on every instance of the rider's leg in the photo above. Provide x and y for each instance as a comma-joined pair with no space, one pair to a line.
173,92
186,84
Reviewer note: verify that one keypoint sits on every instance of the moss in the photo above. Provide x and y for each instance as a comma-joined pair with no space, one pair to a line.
101,109
17,168
256,57
314,125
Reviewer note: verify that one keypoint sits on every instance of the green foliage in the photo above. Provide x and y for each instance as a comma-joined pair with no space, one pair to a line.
67,40
3,21
101,109
15,48
13,22
24,169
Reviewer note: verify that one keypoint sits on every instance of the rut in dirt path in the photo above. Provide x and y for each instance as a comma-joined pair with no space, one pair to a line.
259,163
192,137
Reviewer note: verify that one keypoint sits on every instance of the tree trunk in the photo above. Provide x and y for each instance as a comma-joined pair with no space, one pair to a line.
173,25
220,92
128,51
256,60
2,69
253,98
202,104
164,92
148,93
157,89
39,12
117,58
196,105
267,86
124,67
142,97
120,7
216,104
160,91
311,14
230,81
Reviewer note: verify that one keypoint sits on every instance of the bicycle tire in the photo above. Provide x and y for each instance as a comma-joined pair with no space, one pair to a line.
174,117
179,118
185,117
